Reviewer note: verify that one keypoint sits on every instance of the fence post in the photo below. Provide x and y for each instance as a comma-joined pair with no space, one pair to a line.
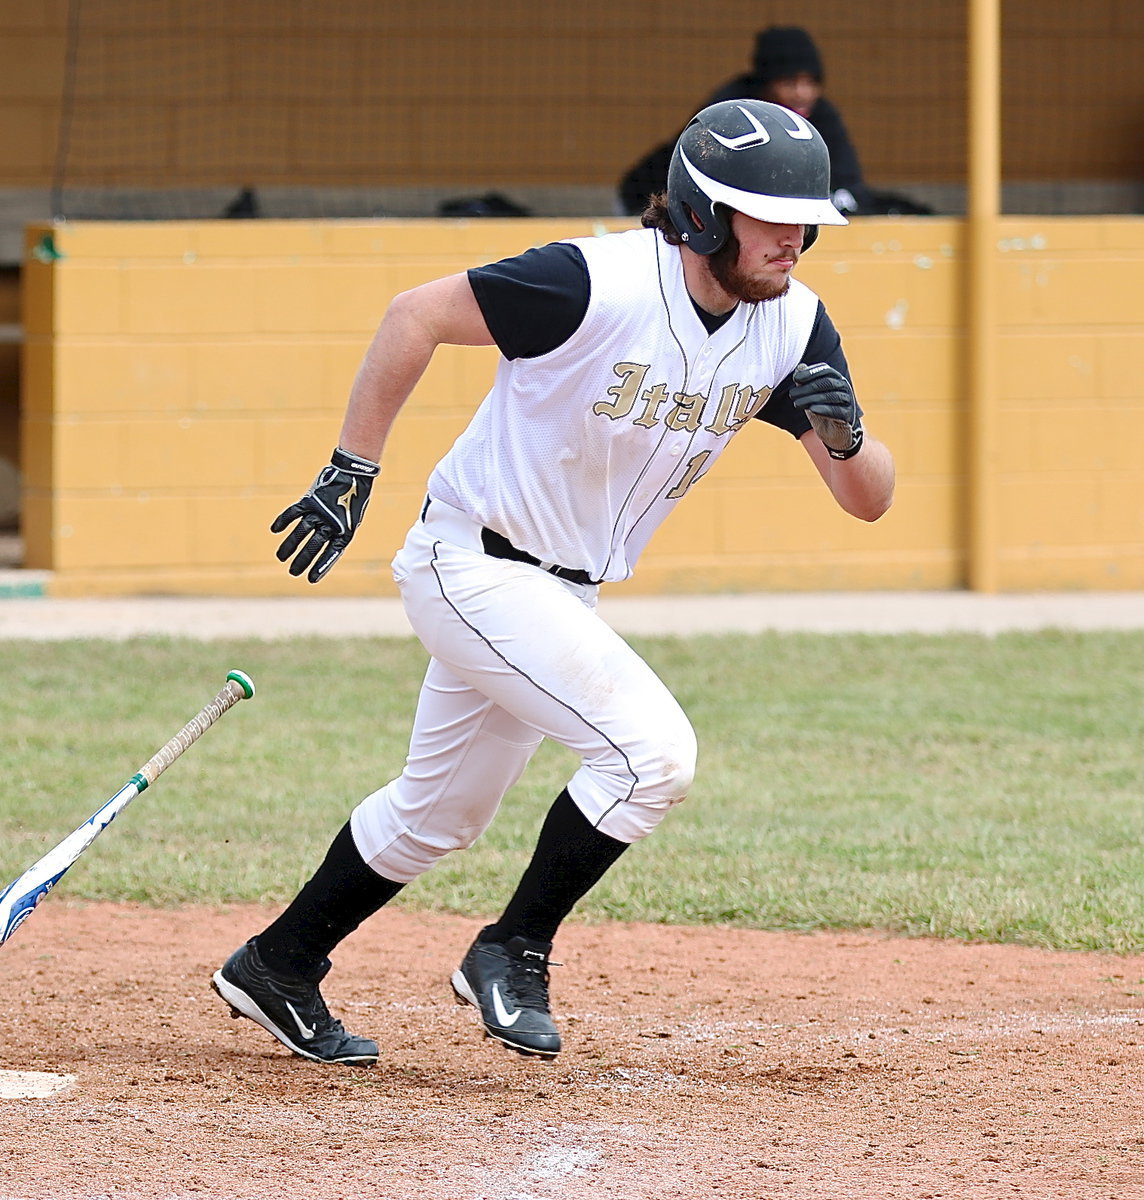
981,323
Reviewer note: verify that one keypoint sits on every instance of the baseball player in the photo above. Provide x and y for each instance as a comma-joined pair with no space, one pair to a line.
628,362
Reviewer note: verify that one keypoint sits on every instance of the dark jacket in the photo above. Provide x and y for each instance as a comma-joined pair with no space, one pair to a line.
649,175
849,190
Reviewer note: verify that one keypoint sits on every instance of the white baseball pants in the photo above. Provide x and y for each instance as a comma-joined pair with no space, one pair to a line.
518,655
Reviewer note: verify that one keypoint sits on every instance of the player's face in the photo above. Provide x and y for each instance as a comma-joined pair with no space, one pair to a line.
755,262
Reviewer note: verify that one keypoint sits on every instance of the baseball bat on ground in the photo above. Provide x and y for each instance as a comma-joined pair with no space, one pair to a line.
19,898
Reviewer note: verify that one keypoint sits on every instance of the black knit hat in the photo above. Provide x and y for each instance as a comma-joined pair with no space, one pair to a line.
783,51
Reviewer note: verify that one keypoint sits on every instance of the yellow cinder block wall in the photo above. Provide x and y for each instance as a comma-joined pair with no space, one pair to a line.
184,381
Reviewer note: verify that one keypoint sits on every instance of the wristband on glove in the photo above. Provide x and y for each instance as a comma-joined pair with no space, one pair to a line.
327,516
856,445
354,464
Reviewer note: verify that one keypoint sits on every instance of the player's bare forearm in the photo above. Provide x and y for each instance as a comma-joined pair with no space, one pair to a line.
396,359
415,324
863,485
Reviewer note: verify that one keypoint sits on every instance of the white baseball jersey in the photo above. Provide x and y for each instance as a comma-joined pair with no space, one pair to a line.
578,454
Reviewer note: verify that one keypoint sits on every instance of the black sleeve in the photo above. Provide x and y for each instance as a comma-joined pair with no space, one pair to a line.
824,346
533,302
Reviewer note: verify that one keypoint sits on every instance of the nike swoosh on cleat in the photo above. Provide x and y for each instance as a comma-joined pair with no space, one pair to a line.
504,1017
306,1033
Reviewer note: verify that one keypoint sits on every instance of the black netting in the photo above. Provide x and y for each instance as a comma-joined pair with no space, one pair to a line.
359,108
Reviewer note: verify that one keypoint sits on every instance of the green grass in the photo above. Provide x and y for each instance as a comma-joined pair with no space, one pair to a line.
966,787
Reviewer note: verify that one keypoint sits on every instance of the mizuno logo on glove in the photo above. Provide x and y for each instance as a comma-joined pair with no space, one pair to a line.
345,500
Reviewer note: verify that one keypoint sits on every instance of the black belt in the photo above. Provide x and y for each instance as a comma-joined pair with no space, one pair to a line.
496,545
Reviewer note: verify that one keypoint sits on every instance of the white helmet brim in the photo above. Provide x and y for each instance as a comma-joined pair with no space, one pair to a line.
778,210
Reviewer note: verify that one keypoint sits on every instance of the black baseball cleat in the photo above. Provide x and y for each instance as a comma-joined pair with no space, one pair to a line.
290,1007
509,985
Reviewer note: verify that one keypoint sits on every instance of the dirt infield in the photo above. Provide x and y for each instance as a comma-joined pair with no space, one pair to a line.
698,1063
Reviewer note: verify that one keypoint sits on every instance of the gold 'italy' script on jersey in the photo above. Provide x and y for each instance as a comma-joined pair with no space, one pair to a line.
736,404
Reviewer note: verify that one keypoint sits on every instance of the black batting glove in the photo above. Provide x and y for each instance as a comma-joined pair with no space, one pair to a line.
328,515
827,398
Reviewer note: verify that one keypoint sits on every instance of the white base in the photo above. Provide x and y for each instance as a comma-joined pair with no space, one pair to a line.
32,1085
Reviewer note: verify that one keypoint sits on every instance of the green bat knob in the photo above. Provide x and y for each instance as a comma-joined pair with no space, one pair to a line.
244,681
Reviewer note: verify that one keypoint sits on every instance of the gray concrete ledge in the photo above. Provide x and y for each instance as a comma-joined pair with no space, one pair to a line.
46,619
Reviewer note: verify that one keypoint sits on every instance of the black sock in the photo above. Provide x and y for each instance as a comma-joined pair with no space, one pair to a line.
570,857
344,891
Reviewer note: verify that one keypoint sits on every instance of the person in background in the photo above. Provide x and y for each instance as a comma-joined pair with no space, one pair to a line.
787,69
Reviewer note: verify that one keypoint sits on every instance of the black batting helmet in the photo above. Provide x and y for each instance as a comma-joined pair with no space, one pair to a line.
754,157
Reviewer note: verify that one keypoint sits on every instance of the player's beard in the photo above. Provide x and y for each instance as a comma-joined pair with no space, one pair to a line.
724,264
